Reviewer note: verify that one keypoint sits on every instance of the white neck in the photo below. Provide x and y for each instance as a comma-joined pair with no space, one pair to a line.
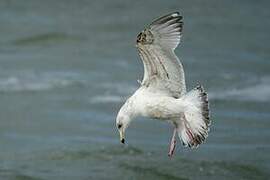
129,109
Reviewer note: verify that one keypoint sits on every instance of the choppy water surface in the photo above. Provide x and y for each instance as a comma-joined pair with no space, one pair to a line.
66,68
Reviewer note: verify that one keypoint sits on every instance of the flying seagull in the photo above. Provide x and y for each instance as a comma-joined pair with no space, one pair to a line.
162,94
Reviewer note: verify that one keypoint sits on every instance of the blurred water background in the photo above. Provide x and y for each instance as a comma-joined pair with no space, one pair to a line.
66,67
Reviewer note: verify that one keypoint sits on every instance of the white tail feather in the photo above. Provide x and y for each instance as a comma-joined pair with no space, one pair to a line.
195,119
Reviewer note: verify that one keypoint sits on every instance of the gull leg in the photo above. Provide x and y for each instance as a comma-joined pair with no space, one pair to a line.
172,144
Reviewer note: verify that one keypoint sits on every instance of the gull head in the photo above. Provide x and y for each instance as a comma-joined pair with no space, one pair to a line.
122,122
123,119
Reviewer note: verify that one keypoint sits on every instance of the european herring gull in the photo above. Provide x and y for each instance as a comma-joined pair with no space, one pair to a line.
162,94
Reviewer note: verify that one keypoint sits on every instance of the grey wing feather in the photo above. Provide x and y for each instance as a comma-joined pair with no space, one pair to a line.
163,71
168,30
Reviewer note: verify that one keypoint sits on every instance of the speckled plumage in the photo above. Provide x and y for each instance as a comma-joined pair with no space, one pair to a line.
162,94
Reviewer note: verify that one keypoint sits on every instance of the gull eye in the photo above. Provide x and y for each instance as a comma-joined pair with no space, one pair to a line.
119,126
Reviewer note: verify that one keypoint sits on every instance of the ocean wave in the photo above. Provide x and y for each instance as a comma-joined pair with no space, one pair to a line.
118,92
100,152
252,90
106,99
46,38
121,88
29,81
259,91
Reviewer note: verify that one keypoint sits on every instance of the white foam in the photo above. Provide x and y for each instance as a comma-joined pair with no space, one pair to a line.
253,92
121,88
115,92
106,99
29,81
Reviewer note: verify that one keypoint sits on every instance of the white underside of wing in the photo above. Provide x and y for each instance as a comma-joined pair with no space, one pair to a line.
162,69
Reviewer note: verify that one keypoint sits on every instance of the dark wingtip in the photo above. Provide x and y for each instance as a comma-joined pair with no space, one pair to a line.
163,19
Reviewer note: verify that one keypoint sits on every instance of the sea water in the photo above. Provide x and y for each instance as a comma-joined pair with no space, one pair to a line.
66,67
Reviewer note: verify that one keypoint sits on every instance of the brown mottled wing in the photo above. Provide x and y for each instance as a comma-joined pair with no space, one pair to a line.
163,72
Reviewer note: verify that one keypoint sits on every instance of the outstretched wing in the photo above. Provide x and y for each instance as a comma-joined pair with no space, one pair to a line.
163,72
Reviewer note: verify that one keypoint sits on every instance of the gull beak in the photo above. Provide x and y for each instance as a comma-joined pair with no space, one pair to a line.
122,137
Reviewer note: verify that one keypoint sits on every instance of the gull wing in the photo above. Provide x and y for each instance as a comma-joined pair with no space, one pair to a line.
163,72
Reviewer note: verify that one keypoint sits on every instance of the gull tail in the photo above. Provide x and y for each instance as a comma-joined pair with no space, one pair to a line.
195,120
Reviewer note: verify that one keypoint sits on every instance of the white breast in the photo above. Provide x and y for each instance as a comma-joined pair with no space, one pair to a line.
154,105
